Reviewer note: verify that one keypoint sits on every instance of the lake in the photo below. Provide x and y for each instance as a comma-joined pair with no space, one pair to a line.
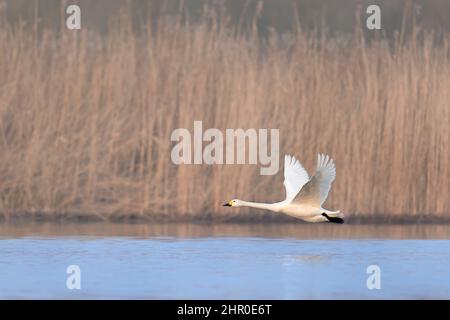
224,261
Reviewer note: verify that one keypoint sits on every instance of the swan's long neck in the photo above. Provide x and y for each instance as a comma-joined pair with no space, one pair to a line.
266,206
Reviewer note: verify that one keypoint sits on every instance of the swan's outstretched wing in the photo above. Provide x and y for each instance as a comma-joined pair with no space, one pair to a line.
295,176
315,192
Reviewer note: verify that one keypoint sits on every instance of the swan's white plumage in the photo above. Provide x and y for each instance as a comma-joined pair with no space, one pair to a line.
304,195
316,190
295,176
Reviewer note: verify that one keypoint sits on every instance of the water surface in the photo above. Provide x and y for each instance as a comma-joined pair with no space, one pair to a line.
228,261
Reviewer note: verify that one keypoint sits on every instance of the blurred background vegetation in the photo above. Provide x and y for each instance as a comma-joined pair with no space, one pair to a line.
339,16
86,116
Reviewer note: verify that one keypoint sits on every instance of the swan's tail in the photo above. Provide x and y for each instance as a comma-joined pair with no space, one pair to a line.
334,214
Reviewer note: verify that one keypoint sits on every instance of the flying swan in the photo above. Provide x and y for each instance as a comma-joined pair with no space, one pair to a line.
304,196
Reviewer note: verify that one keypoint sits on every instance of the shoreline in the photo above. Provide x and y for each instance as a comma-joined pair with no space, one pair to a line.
249,218
173,231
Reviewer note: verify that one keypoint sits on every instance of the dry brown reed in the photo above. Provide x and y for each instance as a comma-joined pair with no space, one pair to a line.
85,120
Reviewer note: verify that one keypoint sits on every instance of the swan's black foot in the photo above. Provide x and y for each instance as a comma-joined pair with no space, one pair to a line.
333,219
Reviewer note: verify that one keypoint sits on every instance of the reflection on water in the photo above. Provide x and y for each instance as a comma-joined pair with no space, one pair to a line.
263,230
231,261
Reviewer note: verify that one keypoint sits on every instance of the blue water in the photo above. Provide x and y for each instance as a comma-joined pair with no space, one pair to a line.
223,268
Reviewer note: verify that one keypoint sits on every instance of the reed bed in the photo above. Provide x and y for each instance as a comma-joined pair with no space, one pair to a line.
86,119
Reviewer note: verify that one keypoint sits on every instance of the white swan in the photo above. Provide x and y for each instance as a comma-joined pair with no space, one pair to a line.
304,196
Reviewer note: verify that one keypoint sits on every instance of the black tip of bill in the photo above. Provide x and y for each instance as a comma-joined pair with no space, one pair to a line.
226,204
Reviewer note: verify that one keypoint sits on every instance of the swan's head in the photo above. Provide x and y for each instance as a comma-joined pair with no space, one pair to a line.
233,203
